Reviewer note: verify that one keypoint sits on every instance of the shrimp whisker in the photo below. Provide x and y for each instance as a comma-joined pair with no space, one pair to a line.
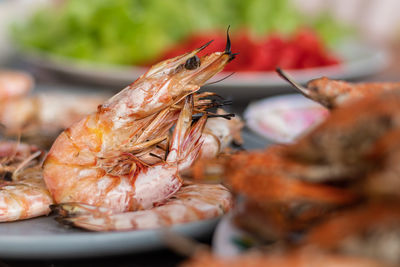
210,115
303,90
222,79
24,163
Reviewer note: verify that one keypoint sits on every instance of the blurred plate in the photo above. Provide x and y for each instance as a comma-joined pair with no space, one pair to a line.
282,119
228,240
358,60
44,238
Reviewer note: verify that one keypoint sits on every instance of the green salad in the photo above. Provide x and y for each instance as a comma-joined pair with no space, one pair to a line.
138,31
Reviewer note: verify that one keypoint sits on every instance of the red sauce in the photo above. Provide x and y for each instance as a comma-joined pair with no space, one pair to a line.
304,49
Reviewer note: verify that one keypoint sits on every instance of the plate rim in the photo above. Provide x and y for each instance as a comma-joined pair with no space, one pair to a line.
373,60
251,108
86,244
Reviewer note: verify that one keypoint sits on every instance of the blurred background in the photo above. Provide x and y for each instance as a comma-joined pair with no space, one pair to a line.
96,47
110,43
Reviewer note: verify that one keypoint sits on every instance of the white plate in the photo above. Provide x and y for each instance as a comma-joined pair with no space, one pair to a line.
229,240
358,60
44,238
227,237
282,119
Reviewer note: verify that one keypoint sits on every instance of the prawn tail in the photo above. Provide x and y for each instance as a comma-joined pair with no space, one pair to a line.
89,217
86,221
192,202
75,209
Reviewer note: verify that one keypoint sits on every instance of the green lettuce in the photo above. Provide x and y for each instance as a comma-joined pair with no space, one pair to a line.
138,31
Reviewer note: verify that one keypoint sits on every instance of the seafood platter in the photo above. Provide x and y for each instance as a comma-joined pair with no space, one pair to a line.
161,157
121,166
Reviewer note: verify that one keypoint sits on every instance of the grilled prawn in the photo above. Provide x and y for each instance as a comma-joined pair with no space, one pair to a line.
341,146
333,93
371,230
219,133
298,258
94,162
192,202
23,193
277,201
39,119
14,84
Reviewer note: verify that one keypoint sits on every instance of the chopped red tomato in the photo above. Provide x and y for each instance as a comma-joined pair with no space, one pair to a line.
302,50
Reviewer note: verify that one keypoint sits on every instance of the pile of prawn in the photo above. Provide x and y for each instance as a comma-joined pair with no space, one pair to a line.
120,168
331,198
39,118
23,194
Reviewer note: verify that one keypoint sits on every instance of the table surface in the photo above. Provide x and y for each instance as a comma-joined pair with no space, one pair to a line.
163,257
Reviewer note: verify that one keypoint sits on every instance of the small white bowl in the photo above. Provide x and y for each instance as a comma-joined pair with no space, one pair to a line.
284,118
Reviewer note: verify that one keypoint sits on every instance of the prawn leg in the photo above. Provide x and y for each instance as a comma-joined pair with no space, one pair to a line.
162,180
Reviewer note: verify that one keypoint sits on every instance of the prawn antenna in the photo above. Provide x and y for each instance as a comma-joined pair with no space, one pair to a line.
218,96
228,42
204,45
210,115
303,90
228,50
220,80
217,104
225,103
225,116
25,163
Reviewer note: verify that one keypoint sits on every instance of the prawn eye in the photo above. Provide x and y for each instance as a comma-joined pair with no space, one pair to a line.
192,63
